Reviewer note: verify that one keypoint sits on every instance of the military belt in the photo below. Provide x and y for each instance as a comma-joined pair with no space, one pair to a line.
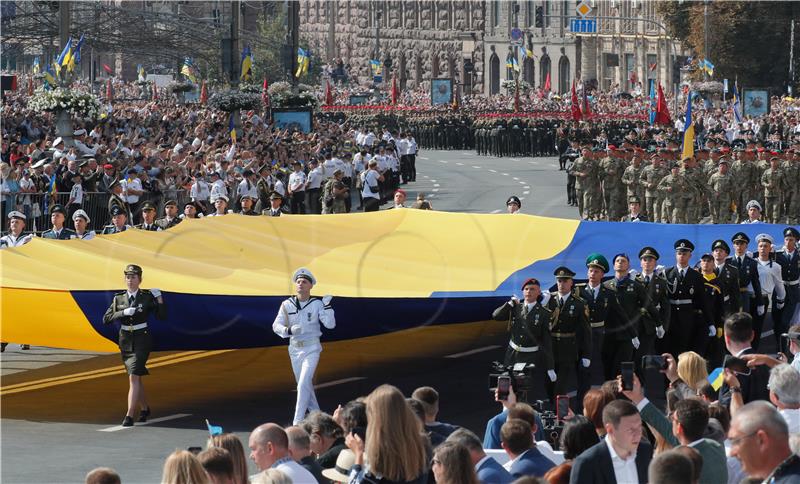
523,349
679,302
303,343
726,298
563,335
133,327
792,283
597,324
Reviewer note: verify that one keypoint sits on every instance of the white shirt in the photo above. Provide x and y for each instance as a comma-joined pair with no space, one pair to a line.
296,181
88,235
370,179
402,147
624,469
769,274
315,178
134,184
11,241
199,191
251,192
792,417
25,184
308,315
296,473
280,188
76,194
218,189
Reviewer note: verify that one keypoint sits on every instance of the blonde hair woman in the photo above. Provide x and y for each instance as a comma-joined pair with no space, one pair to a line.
688,374
271,476
182,467
233,445
395,446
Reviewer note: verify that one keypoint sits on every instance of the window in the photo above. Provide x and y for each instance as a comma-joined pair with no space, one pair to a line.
630,72
347,12
434,15
530,12
563,75
496,13
565,15
494,74
544,71
547,12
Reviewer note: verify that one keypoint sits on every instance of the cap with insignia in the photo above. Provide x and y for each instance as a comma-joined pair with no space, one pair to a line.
531,280
275,196
563,273
514,199
752,204
80,213
148,206
740,237
682,245
707,257
649,252
303,273
597,260
58,209
17,214
133,269
117,210
766,237
222,197
720,244
634,199
791,232
173,203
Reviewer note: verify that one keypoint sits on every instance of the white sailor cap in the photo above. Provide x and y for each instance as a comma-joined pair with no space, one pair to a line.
79,132
57,141
766,237
754,203
305,274
17,214
81,213
222,197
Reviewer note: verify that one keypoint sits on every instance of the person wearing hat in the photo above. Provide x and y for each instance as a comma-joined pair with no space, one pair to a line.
133,191
586,183
335,193
773,182
722,185
773,291
247,202
650,178
218,187
634,211
265,185
148,218
713,294
631,178
651,328
749,284
116,199
118,223
81,221
570,333
170,218
513,204
297,188
622,326
131,309
58,216
299,319
529,322
341,472
192,210
276,208
753,213
788,257
220,206
691,319
16,226
674,189
727,278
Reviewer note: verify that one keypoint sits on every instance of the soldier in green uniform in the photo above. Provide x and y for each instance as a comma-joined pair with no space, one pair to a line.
631,178
119,221
131,309
149,218
570,332
694,196
248,204
650,178
170,218
580,169
529,323
673,187
772,182
721,196
791,171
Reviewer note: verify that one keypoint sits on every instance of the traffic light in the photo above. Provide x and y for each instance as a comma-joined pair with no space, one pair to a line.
538,21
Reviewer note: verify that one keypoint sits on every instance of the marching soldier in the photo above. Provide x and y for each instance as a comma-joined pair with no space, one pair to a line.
583,169
132,308
634,214
749,282
529,323
691,320
721,185
650,178
570,332
652,326
631,177
727,278
673,188
789,259
622,326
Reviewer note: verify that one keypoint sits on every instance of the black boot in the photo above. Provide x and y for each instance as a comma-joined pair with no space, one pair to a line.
128,421
144,414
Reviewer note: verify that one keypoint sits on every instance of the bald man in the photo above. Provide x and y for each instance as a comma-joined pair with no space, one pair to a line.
269,449
759,438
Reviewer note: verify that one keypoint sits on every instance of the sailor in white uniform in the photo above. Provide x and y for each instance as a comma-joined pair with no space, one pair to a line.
16,225
299,319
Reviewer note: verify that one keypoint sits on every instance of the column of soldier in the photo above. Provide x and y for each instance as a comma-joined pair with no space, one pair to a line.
716,185
594,327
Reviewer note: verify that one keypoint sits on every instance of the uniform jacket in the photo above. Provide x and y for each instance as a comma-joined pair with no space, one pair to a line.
790,266
65,234
153,227
728,282
166,224
632,300
531,463
748,274
657,298
529,330
308,315
571,321
112,229
594,465
145,304
600,308
690,288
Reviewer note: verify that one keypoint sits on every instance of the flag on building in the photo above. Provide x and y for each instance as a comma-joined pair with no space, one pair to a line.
188,70
108,70
547,82
688,131
736,105
707,66
576,109
140,71
662,110
247,64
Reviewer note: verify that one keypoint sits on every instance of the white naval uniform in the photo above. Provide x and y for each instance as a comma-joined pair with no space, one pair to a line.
11,241
304,345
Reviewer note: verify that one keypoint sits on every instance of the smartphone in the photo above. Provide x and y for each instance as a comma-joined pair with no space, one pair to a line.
627,375
195,450
503,387
737,365
654,362
562,407
361,432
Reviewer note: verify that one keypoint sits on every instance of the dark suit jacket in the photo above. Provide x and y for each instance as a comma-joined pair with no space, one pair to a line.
748,274
594,465
754,385
531,463
491,472
691,287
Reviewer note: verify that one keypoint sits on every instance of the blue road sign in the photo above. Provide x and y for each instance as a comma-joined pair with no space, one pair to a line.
583,26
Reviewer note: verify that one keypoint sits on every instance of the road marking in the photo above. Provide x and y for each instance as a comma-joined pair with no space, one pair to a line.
436,184
424,176
514,159
339,382
459,163
117,428
527,187
478,167
103,372
493,171
522,183
435,190
504,174
516,178
476,350
497,211
442,161
526,192
422,158
522,198
466,153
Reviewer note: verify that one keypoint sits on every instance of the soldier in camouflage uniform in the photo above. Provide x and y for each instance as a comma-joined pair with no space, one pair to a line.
695,195
674,188
610,174
631,178
791,197
773,183
743,170
585,183
721,185
650,178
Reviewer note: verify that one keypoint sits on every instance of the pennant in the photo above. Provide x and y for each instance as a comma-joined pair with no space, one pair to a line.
213,429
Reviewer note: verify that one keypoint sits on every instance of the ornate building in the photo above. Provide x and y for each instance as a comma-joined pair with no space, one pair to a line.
440,38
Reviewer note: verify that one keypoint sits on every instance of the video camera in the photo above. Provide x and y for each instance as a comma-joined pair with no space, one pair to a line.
521,375
551,425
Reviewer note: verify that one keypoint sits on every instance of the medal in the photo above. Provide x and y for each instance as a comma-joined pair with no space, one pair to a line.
691,290
309,317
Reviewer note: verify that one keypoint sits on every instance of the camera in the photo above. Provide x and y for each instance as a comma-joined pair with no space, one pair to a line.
551,425
520,375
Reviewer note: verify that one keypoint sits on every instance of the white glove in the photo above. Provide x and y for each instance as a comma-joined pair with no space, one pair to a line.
779,305
545,298
295,329
760,310
326,300
585,362
155,292
129,311
635,343
660,332
712,331
551,374
513,301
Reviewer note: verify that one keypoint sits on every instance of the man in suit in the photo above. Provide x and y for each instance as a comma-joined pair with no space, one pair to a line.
686,426
652,326
57,216
620,457
132,308
691,320
738,340
749,283
529,323
489,470
570,333
516,437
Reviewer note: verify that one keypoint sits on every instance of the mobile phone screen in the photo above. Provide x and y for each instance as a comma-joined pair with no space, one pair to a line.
562,406
503,387
627,375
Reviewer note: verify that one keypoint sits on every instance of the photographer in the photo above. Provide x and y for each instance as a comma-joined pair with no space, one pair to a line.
370,192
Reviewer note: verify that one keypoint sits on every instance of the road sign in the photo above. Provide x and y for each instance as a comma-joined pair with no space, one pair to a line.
517,37
583,26
583,9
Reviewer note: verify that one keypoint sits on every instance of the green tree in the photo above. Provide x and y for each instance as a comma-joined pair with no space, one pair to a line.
267,52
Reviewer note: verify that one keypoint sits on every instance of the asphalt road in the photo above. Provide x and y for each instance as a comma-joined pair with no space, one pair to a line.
61,409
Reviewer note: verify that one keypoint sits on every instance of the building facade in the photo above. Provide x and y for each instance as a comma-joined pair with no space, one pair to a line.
435,38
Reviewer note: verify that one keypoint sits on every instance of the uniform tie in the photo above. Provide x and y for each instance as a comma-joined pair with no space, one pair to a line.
647,279
740,260
130,300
